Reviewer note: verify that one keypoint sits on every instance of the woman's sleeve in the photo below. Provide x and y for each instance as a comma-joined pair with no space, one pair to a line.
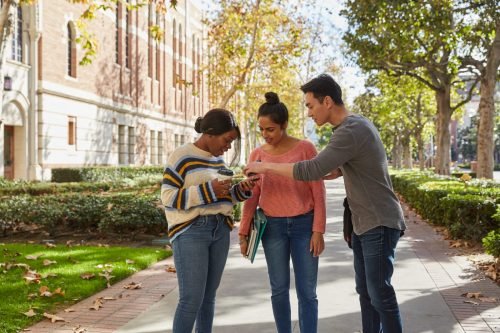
250,204
175,195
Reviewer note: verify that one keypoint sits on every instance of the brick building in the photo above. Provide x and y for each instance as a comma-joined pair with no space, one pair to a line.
132,105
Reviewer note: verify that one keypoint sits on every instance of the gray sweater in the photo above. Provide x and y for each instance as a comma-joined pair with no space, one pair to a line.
356,148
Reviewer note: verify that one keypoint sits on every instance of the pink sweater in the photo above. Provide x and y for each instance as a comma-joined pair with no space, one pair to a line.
280,196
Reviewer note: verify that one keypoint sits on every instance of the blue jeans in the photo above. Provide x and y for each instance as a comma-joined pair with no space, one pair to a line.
200,255
374,265
283,238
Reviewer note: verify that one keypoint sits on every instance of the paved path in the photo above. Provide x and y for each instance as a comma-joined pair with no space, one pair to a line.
429,278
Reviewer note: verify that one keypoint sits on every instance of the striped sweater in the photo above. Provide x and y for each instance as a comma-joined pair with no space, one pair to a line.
186,190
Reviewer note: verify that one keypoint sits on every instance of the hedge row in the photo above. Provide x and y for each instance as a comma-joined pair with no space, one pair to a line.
469,209
42,188
123,213
103,174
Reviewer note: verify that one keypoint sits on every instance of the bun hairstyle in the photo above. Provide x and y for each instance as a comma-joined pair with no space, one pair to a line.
274,109
217,122
271,98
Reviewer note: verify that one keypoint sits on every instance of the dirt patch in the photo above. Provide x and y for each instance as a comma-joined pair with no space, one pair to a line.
33,235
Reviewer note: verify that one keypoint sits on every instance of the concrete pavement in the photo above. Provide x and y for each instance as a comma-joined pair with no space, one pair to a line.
429,278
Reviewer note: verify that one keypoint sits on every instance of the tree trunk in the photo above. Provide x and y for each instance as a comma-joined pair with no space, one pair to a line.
486,129
407,160
442,165
396,152
420,147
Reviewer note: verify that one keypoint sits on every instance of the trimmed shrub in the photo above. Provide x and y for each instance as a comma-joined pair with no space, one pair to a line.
491,243
468,208
103,174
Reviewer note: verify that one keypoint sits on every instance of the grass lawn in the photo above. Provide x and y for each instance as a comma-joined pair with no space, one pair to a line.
17,296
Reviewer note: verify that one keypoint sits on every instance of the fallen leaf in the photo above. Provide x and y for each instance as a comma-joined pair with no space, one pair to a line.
58,291
44,291
171,269
30,313
97,304
53,318
33,257
133,285
472,295
48,262
128,261
79,329
87,276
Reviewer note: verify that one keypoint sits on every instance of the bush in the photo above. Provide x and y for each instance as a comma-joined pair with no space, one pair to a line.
468,208
103,174
113,212
491,243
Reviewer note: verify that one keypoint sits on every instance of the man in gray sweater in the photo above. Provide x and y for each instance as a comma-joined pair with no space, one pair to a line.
356,152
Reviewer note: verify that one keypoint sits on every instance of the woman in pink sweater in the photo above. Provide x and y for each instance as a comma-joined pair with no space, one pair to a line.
296,216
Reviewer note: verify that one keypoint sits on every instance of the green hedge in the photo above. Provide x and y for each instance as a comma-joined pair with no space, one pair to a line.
103,174
124,213
42,188
468,209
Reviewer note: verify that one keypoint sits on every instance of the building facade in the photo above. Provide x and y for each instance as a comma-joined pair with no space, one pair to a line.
132,105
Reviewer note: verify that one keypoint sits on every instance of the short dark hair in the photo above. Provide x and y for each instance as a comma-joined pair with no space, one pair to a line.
322,86
274,109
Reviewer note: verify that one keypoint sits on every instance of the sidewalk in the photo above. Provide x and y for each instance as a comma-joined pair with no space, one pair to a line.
429,278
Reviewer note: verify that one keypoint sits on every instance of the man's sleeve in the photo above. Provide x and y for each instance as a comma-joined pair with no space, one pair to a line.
341,148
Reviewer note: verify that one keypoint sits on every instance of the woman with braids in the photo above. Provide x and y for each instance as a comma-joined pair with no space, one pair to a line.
198,206
295,225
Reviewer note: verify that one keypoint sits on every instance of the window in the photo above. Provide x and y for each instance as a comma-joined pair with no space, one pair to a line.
122,145
157,47
71,131
152,147
127,37
174,57
160,148
71,69
131,145
179,39
17,36
150,41
117,34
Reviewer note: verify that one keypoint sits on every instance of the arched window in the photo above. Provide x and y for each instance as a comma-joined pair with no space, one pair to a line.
157,48
71,66
150,41
17,36
179,40
174,55
127,36
117,33
193,62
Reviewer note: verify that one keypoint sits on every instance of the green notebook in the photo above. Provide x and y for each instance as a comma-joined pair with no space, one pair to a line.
256,231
